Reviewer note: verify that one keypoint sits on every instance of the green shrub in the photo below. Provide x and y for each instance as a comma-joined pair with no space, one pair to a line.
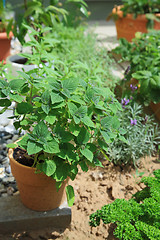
137,218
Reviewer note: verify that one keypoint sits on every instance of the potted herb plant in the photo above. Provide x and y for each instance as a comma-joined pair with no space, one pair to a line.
143,56
136,16
67,122
5,32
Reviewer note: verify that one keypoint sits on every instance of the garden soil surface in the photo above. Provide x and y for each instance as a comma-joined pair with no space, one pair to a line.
94,189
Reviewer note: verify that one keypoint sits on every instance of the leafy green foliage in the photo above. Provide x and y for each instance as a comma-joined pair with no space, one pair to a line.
65,116
77,49
137,218
143,55
141,135
140,7
6,23
47,14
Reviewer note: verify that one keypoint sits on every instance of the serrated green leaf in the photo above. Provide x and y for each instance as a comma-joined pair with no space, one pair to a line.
24,108
88,122
5,102
106,136
83,166
72,108
17,84
70,84
103,145
83,136
16,97
48,167
51,147
45,108
70,195
12,145
33,147
74,128
50,119
23,142
56,98
87,154
41,130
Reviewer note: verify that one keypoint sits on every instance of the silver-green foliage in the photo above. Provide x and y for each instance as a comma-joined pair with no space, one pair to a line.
141,137
137,218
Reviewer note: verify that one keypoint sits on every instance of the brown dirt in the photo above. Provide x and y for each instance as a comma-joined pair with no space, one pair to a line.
94,189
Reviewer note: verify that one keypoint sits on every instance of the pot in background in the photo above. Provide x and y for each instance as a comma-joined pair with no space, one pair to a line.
18,63
5,45
126,27
156,109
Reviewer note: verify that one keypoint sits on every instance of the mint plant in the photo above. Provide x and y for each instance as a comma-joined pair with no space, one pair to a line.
143,55
137,218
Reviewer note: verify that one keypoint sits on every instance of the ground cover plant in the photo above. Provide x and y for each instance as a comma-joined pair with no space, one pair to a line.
143,55
137,218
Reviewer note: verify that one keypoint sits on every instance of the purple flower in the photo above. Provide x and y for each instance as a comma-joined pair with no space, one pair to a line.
124,102
133,122
133,88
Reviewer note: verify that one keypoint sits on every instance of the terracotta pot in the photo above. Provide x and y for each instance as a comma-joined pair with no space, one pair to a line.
37,191
5,45
156,109
127,26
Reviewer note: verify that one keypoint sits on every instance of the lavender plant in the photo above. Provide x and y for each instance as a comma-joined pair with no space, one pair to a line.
141,133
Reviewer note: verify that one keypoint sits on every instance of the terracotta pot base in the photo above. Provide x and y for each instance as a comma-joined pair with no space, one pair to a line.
5,45
156,109
37,191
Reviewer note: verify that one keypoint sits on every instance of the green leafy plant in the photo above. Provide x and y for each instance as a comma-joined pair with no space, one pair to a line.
141,134
38,12
68,121
77,48
78,10
143,56
137,218
138,7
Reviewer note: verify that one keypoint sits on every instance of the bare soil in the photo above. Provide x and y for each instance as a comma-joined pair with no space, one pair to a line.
94,189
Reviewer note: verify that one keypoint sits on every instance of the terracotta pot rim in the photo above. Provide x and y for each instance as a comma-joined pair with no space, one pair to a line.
10,155
117,10
3,35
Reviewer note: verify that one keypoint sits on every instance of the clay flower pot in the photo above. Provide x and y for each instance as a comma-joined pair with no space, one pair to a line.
156,109
127,26
5,45
37,191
